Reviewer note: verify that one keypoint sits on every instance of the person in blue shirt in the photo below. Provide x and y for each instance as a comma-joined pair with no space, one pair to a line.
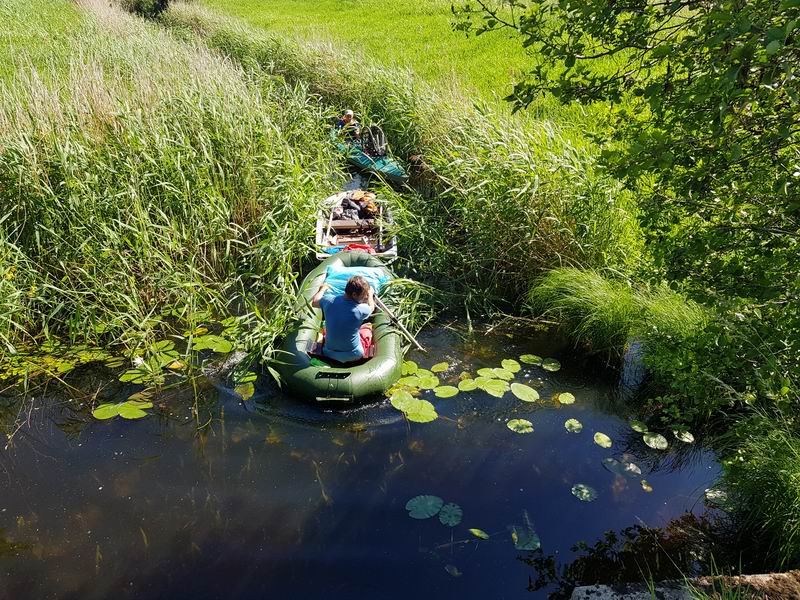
348,127
347,338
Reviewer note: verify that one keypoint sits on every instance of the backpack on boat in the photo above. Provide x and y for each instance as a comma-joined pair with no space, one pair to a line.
373,141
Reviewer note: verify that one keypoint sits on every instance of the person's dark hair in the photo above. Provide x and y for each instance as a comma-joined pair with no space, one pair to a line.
357,288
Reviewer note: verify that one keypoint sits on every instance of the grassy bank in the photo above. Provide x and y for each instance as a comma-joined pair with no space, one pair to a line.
504,199
145,179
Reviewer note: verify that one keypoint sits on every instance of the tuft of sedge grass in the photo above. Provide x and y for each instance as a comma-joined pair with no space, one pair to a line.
606,312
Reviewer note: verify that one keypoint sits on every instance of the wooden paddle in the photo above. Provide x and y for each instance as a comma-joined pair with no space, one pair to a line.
383,307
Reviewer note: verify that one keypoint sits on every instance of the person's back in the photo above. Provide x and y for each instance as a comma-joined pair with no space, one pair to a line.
346,339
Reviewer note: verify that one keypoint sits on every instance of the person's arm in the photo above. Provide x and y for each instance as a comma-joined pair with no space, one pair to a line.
318,296
371,300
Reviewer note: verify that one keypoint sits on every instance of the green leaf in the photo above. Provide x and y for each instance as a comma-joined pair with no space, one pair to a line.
424,507
428,382
520,426
646,486
245,390
638,426
602,440
162,346
496,387
487,372
525,538
106,411
655,440
246,377
684,436
531,359
445,391
584,492
140,404
136,376
773,47
215,343
402,400
503,374
524,392
409,367
551,364
450,514
131,412
467,385
509,364
421,411
440,367
479,533
573,425
566,398
410,381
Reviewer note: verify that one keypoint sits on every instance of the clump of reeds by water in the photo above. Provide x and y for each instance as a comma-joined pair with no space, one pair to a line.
143,178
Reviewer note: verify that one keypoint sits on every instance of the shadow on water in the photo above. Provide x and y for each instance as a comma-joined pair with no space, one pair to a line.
215,497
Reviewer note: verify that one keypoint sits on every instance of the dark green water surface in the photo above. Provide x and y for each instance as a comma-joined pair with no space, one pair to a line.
275,499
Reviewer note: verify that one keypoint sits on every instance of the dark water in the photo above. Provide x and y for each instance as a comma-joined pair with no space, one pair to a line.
272,499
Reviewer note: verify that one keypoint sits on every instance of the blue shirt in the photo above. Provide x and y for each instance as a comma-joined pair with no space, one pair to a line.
343,319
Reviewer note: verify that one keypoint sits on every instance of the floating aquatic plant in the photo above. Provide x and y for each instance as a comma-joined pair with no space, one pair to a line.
524,392
525,538
520,426
450,514
495,387
445,391
467,385
509,364
531,359
551,364
503,374
584,492
424,507
440,367
479,533
625,468
130,409
409,367
487,372
566,398
602,440
638,426
646,486
655,440
573,425
684,436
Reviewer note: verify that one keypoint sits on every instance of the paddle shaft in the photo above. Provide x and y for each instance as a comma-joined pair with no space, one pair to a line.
383,307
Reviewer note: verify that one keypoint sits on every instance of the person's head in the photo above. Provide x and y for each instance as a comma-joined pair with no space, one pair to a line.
348,116
357,289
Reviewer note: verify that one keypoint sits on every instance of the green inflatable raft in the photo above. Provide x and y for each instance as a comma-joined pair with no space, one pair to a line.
310,377
385,166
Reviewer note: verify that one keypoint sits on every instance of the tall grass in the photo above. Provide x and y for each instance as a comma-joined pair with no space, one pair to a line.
146,178
506,198
606,313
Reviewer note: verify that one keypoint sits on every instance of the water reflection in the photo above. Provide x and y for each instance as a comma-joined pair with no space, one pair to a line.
212,497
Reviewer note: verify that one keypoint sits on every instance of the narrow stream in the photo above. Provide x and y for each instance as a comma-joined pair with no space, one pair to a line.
273,498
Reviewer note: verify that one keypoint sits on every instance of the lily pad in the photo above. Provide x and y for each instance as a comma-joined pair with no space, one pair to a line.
573,425
496,387
584,492
525,538
212,342
551,364
503,374
509,364
524,392
639,426
487,372
655,440
106,411
424,373
424,507
445,391
428,382
623,467
421,411
467,385
479,533
131,412
140,404
451,514
402,400
409,367
410,381
482,381
531,359
520,426
245,390
602,440
566,398
440,367
684,436
646,486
